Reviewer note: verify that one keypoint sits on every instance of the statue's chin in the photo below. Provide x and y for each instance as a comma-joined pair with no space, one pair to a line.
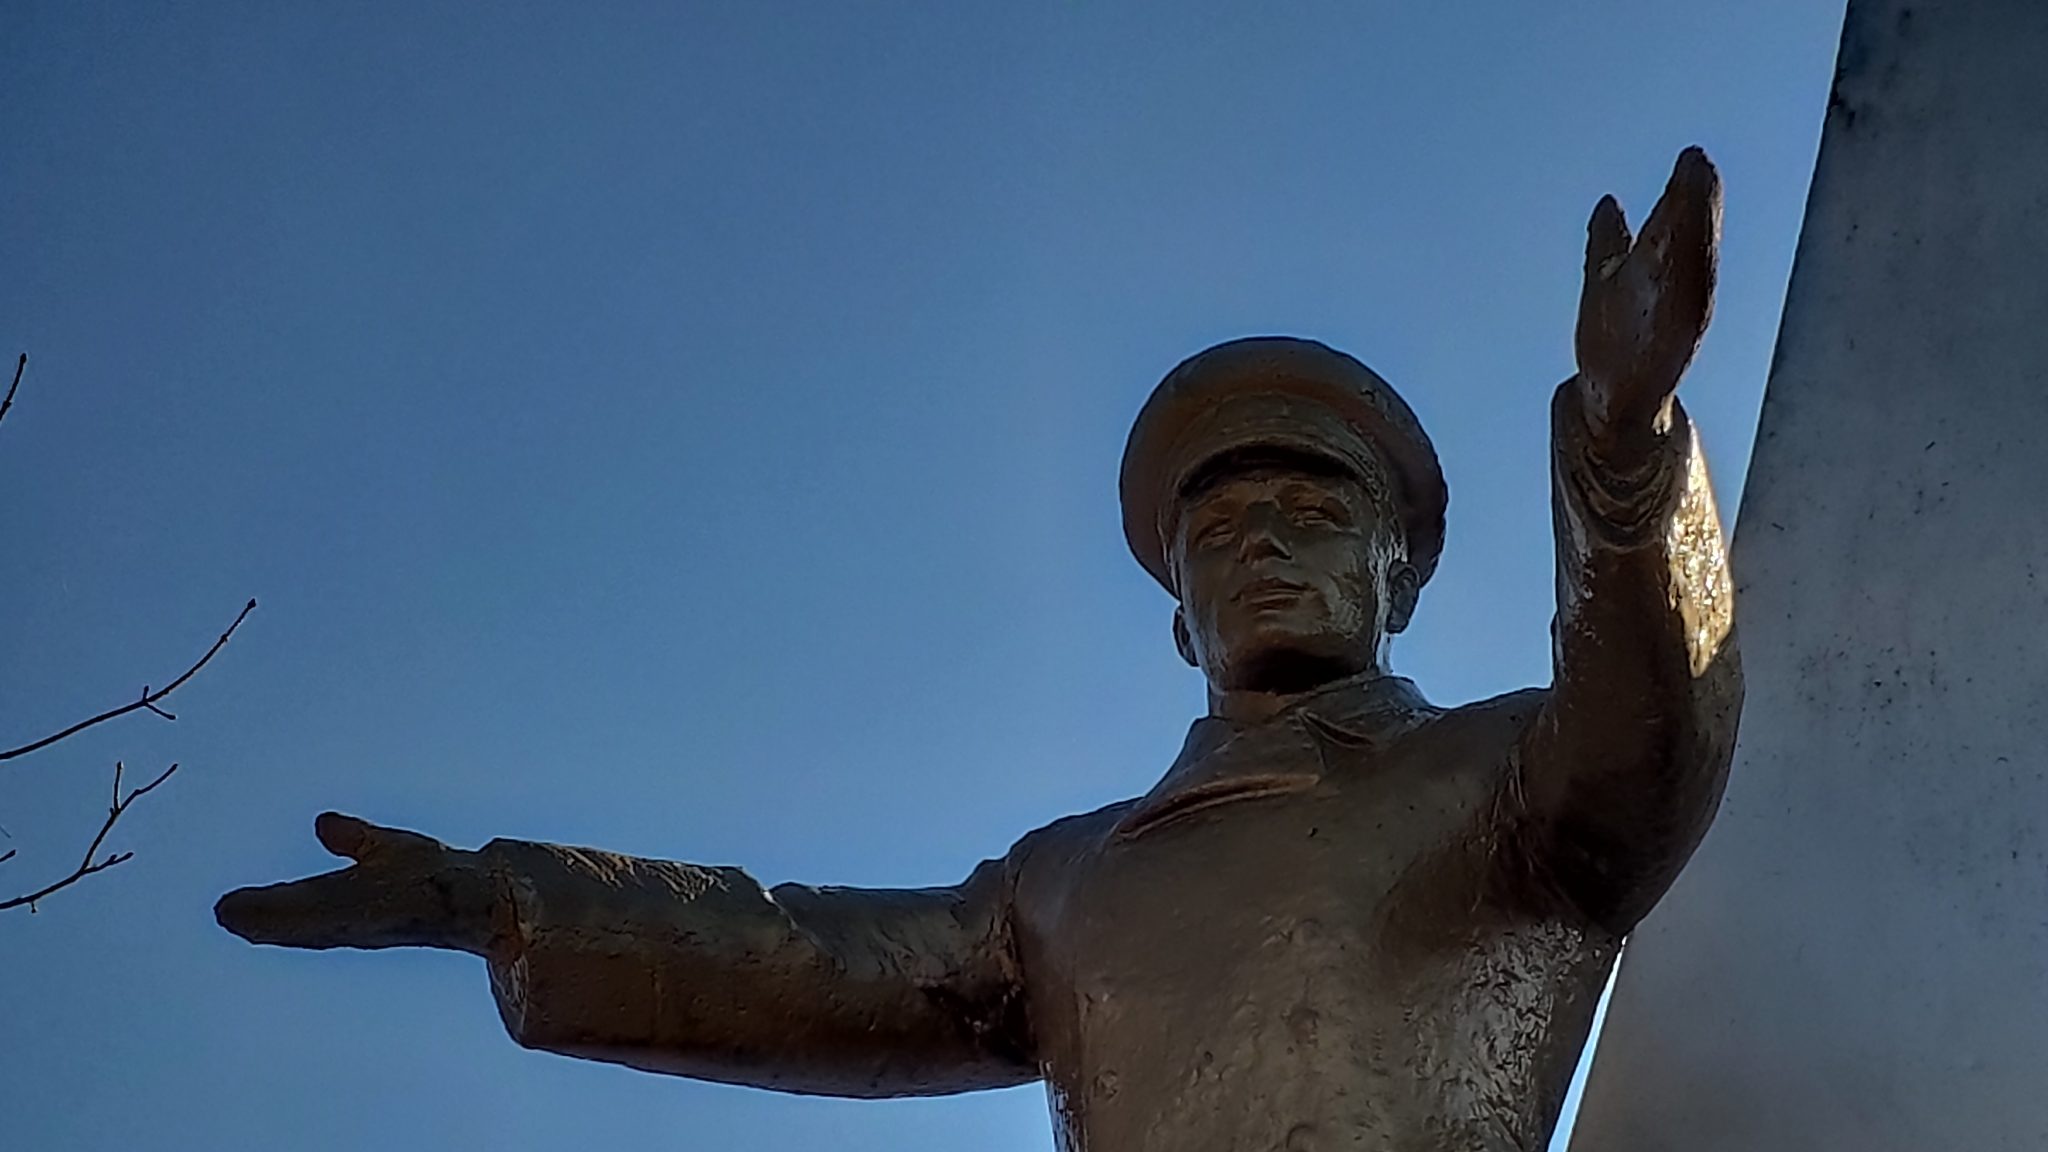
1290,665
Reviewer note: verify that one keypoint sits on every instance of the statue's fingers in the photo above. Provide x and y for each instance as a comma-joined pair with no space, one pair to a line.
1686,223
1693,170
1705,179
1607,240
342,835
353,837
1683,235
310,913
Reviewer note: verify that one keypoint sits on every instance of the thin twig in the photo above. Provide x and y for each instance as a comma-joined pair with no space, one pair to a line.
147,701
8,855
86,865
9,402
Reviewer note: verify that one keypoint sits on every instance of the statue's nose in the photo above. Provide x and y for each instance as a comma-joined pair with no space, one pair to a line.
1264,535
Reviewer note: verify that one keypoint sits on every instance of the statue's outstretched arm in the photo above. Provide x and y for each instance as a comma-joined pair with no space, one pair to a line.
1623,768
685,969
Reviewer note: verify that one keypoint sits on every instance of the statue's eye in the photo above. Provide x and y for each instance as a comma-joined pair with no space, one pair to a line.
1319,512
1212,533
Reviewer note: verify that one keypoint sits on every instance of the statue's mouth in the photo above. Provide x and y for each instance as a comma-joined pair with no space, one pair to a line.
1270,592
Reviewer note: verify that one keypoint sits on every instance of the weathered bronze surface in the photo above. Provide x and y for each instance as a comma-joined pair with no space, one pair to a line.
1345,918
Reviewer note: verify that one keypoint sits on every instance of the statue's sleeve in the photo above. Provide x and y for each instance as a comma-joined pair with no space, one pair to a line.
1622,768
701,972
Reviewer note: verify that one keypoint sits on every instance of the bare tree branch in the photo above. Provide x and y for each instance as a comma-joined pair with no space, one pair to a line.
148,701
9,402
86,865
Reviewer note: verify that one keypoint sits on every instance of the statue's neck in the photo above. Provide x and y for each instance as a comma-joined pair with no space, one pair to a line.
1249,706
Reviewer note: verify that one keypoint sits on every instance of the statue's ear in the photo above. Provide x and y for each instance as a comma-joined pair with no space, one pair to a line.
1182,640
1404,585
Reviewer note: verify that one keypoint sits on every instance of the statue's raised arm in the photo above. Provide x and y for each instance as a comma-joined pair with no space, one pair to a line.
685,969
1624,766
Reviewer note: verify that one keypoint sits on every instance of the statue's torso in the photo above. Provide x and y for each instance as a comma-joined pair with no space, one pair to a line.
1348,951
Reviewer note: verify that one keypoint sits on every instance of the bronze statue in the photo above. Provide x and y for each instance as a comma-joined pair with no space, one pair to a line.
1345,918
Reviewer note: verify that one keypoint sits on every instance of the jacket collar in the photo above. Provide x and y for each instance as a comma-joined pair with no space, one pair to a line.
1368,708
1224,760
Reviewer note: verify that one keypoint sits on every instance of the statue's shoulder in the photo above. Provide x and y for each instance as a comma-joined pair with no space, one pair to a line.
1501,717
1070,834
1059,848
1522,702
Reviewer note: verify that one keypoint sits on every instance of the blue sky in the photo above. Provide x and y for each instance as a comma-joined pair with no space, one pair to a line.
692,430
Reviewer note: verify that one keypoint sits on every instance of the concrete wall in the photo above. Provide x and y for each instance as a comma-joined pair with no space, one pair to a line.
1858,957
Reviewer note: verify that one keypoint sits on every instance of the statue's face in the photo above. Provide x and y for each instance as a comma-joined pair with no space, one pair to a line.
1289,578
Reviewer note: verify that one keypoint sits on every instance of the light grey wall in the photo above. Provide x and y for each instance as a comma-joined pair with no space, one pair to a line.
1858,956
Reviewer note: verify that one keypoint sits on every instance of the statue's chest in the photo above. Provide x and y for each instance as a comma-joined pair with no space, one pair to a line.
1263,958
1291,857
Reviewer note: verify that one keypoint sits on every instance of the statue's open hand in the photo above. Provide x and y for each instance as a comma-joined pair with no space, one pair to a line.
1646,303
404,890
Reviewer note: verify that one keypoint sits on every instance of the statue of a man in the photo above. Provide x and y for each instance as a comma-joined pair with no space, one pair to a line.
1345,918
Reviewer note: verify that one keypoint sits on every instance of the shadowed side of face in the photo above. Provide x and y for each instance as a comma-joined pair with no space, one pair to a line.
1290,575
